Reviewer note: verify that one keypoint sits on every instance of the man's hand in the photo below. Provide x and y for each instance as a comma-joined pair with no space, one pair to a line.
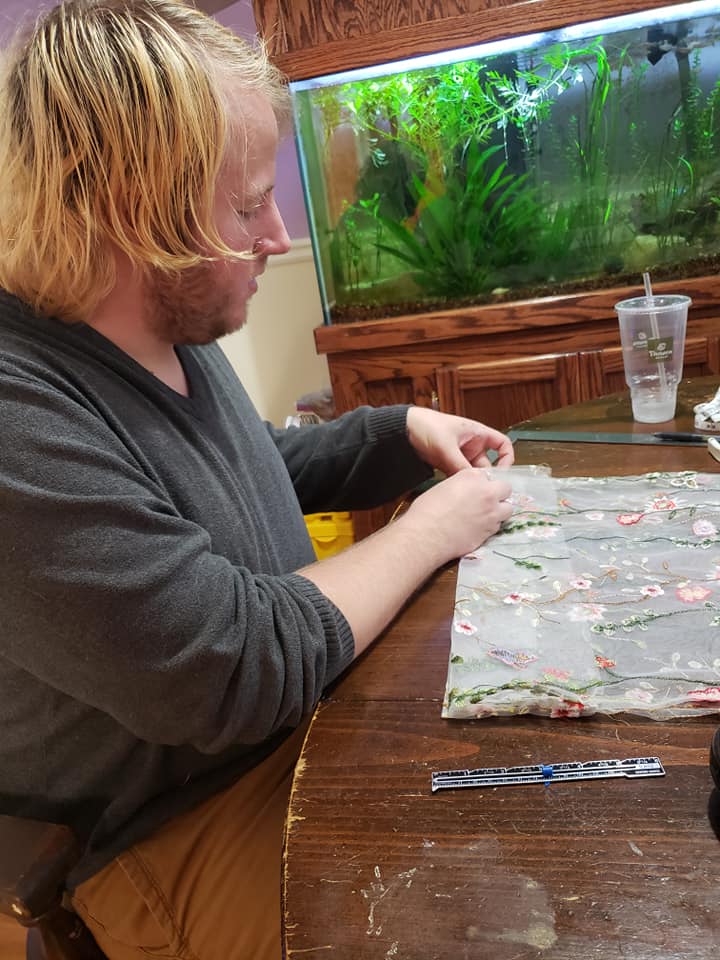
459,514
452,443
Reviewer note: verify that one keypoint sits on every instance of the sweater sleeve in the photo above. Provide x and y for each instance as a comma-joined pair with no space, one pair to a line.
110,595
360,460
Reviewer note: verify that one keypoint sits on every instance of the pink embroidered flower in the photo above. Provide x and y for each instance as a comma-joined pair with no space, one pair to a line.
706,695
557,673
644,696
517,597
569,708
586,611
580,583
594,515
661,502
652,590
604,662
464,626
692,593
704,528
627,519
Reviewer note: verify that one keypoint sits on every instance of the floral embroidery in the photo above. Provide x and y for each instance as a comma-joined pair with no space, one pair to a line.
662,502
542,533
513,658
517,597
627,519
569,708
620,562
586,611
558,674
703,528
709,694
652,590
604,662
692,593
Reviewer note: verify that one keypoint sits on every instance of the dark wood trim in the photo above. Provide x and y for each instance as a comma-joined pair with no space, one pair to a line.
504,317
300,62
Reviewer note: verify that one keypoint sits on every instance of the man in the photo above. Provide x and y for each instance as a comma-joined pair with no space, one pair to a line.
164,631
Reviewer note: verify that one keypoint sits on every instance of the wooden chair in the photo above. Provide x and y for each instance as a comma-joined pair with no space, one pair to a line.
35,859
504,392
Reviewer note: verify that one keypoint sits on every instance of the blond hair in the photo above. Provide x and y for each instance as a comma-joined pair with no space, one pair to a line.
113,129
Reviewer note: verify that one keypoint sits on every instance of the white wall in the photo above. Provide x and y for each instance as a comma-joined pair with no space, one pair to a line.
274,354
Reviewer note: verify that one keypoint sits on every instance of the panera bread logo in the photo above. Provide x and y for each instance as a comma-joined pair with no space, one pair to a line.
660,349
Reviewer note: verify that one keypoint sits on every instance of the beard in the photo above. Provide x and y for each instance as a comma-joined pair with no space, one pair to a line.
192,307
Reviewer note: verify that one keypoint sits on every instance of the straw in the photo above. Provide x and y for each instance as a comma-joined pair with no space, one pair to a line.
655,332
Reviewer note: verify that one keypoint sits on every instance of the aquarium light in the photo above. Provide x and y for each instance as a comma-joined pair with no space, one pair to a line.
677,11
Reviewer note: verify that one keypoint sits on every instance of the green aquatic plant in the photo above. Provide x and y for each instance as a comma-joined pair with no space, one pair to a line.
482,221
595,212
532,167
440,110
680,181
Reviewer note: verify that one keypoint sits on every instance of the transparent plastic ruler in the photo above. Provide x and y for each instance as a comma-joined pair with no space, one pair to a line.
572,436
547,773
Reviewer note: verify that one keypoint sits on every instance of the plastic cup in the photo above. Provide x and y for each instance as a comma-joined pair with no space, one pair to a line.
652,332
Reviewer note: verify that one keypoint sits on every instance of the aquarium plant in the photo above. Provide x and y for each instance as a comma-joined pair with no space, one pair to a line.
557,163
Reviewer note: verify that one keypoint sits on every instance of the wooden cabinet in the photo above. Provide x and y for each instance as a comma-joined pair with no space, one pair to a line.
505,392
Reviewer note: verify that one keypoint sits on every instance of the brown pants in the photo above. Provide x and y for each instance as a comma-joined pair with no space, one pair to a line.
206,885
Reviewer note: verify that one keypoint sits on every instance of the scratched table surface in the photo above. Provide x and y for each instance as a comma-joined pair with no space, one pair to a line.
379,867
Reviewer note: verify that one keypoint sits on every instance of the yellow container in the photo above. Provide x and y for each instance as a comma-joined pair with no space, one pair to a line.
330,532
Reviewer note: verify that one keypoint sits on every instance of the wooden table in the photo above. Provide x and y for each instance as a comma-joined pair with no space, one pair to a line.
379,867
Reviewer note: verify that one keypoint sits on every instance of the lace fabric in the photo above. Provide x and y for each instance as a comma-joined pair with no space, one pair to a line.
601,594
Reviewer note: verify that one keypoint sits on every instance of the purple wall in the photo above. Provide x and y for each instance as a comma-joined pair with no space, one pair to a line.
13,12
239,17
288,188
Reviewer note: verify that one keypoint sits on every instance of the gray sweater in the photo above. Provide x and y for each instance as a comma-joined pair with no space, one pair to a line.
154,640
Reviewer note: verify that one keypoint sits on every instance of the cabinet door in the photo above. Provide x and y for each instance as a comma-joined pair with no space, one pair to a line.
503,392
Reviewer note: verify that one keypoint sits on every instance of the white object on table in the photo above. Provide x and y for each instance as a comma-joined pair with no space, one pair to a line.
707,414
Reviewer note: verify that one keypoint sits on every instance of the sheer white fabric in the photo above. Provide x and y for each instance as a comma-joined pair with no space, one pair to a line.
601,594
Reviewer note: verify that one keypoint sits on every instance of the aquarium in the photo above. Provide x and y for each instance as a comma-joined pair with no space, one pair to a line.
547,164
